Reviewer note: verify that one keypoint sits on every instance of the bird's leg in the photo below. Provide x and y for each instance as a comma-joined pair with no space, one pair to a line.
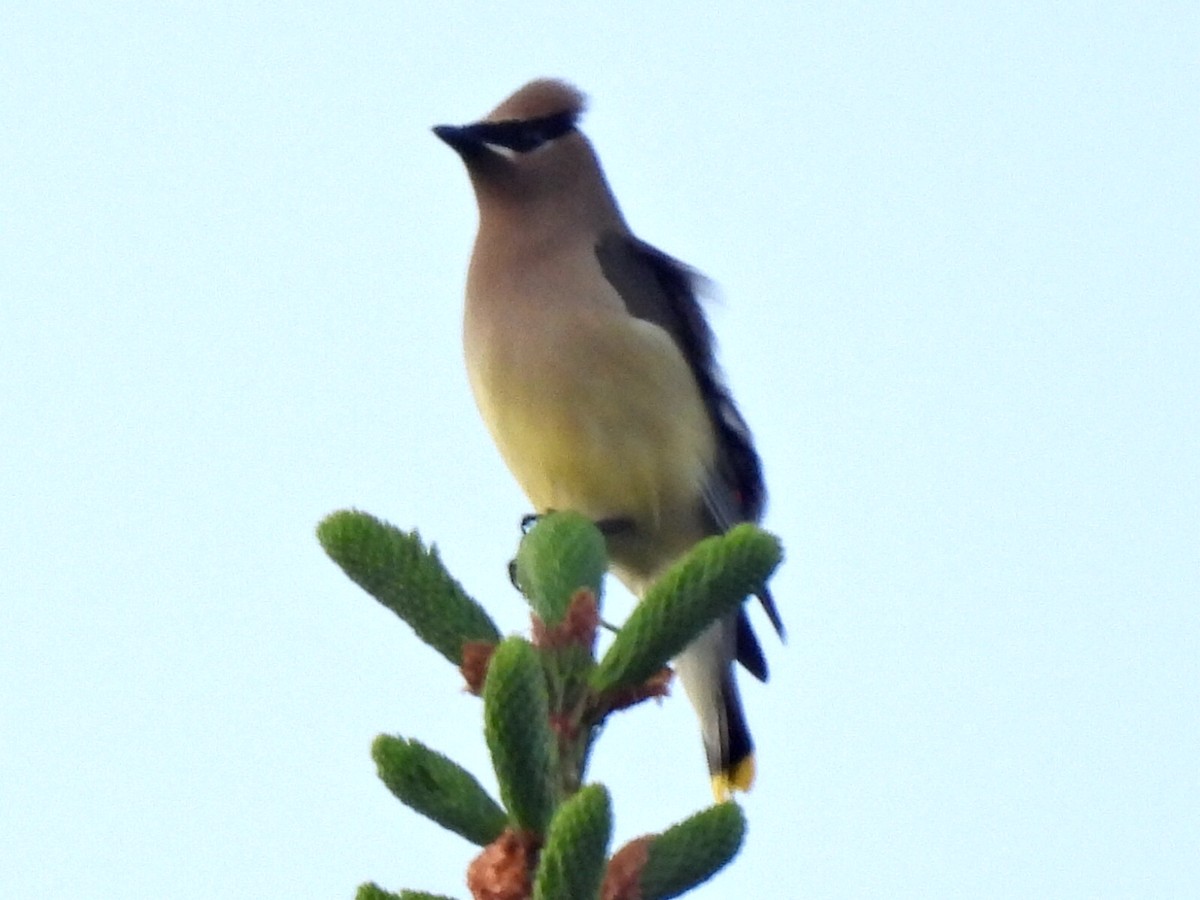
615,526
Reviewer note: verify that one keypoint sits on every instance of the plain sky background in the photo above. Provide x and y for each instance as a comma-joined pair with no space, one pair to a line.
958,252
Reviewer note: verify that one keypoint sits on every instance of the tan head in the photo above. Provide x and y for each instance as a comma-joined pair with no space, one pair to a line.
528,153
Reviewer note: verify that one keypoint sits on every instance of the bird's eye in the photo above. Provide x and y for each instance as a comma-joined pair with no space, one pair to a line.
525,135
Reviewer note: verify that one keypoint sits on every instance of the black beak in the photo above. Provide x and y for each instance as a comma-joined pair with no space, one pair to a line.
462,138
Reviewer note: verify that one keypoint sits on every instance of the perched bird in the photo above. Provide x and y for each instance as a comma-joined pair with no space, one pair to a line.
593,367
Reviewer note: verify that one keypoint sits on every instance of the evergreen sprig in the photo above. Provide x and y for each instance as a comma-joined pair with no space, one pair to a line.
561,554
438,788
692,851
516,723
572,861
545,701
710,582
396,568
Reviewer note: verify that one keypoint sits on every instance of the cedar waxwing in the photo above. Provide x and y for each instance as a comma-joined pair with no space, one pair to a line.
593,367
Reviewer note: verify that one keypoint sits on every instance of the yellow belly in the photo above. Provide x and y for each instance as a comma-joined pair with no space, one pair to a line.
605,419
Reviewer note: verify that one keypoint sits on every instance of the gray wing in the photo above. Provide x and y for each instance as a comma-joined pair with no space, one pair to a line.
662,290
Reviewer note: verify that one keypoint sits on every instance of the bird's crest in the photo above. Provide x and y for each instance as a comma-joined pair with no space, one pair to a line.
541,99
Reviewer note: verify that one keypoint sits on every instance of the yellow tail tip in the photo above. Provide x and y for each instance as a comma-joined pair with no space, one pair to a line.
738,777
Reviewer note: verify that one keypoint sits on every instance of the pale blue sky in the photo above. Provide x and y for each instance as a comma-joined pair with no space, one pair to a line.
958,247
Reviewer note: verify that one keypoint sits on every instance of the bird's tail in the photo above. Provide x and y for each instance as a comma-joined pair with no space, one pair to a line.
731,762
705,669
